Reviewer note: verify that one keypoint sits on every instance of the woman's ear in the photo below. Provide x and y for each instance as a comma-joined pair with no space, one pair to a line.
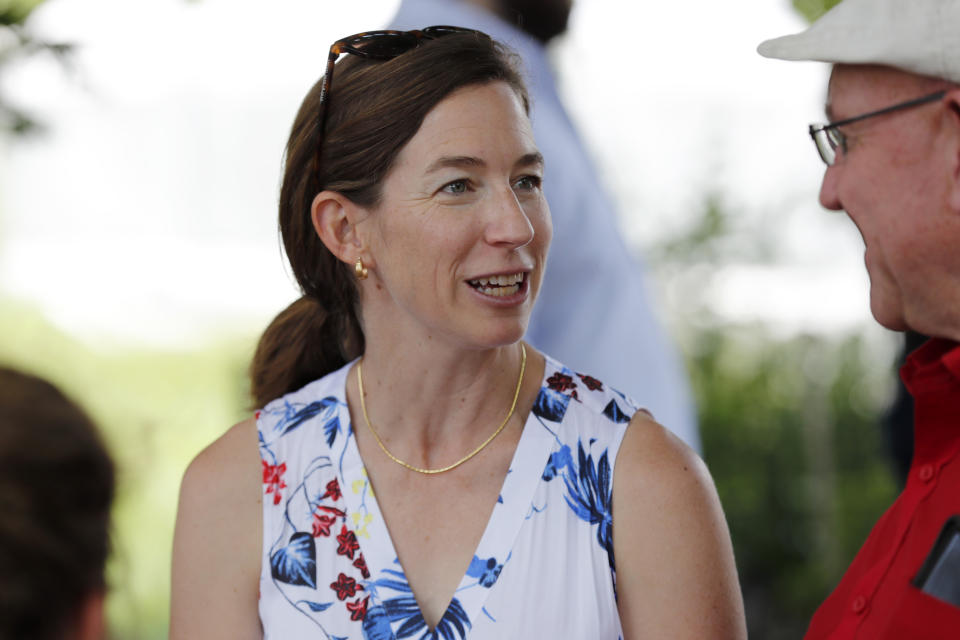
335,219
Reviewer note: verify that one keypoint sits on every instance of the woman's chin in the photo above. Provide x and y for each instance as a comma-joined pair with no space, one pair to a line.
502,337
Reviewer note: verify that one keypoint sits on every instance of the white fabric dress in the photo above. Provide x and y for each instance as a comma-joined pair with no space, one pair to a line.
544,567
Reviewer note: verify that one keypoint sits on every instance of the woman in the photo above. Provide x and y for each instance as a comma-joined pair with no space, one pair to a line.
423,472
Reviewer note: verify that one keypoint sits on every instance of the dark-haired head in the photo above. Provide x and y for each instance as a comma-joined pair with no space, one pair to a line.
56,489
373,110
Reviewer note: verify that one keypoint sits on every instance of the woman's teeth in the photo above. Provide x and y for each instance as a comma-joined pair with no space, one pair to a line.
498,286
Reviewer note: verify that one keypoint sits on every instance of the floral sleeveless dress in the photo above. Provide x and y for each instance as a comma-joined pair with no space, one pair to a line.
544,567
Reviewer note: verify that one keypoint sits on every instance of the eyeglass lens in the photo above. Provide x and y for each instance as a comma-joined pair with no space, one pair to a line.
381,45
828,140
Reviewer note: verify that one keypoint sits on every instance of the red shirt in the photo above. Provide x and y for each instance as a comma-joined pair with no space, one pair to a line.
875,599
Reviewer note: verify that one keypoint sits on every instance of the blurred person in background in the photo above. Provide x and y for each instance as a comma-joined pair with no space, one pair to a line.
892,150
594,311
417,469
56,489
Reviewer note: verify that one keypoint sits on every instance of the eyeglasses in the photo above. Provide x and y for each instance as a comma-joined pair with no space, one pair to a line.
378,45
829,138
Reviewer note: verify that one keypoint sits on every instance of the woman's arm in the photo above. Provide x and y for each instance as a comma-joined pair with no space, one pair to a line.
676,577
216,545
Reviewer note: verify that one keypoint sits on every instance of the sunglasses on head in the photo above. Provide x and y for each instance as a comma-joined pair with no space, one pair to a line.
378,45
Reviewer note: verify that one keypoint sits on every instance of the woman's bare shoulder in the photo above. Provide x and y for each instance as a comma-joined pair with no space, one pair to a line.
655,459
217,540
222,485
226,458
676,576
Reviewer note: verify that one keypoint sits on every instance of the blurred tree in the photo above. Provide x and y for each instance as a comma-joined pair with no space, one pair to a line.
789,429
17,41
789,421
813,9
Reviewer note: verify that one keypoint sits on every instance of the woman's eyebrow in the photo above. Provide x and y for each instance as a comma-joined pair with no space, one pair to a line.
455,162
534,158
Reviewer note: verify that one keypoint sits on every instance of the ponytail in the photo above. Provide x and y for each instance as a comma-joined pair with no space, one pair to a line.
303,343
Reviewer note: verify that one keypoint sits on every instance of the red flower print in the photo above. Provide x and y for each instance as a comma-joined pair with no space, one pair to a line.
273,478
561,382
346,587
333,490
322,524
592,383
256,415
361,564
348,543
358,609
323,519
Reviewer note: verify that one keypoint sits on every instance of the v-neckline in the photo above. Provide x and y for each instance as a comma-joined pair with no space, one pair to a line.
387,577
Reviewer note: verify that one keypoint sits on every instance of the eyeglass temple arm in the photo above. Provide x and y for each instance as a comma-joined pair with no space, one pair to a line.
897,107
328,73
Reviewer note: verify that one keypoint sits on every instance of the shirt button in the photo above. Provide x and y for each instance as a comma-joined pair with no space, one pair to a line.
859,604
926,472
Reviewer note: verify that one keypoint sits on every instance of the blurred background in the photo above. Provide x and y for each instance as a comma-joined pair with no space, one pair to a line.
140,152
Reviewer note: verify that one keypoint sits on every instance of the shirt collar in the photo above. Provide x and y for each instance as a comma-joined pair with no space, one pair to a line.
932,375
938,359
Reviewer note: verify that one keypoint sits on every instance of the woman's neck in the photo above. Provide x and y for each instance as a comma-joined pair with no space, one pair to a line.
435,394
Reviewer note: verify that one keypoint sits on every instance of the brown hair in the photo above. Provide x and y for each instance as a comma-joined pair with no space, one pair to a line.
373,109
56,488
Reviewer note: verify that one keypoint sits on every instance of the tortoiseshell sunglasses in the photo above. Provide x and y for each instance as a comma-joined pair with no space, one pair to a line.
378,45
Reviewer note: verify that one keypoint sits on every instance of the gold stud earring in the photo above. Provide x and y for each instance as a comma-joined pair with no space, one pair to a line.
360,270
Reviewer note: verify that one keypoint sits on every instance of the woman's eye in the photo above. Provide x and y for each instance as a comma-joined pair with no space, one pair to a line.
457,186
528,183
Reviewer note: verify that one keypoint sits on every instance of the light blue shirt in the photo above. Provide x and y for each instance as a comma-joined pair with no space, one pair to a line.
593,311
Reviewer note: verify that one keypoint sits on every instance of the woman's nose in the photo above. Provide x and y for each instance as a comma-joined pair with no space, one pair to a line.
510,225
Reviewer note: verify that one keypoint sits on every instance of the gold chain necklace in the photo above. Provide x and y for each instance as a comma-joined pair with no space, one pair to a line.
513,405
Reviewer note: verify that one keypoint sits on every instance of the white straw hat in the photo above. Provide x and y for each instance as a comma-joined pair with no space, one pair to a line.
919,36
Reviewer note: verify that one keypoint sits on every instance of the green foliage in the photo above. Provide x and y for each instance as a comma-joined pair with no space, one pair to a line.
17,41
790,426
790,431
813,9
15,12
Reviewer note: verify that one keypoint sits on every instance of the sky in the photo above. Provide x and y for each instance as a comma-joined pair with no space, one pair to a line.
147,213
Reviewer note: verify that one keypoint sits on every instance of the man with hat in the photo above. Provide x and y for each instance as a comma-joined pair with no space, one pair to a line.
892,150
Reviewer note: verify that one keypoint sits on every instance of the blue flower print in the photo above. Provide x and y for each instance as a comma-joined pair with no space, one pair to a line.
452,626
557,461
550,405
295,415
486,571
376,625
615,413
589,495
553,399
296,563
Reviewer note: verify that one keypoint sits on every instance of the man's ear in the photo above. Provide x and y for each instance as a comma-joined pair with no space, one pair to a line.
953,107
335,219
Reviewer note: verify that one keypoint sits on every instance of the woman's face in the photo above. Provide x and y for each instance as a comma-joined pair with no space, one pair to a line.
458,243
